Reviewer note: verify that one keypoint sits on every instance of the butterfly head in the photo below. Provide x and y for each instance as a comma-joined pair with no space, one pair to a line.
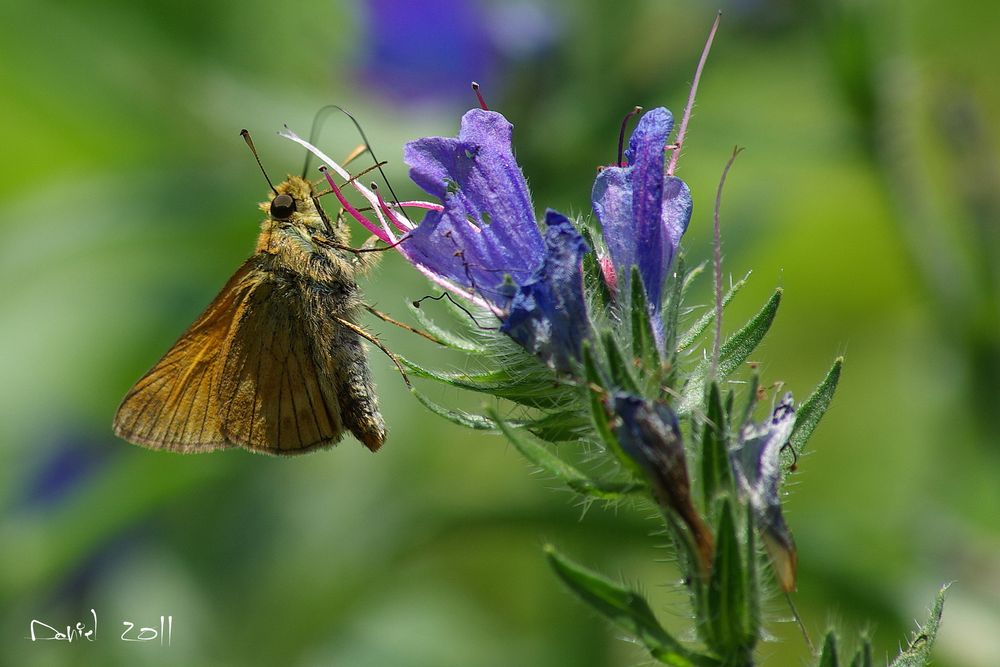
292,204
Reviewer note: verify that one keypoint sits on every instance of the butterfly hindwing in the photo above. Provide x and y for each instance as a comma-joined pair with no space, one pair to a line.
278,391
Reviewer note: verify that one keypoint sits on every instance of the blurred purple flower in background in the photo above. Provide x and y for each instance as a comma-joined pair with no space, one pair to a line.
422,50
430,50
69,462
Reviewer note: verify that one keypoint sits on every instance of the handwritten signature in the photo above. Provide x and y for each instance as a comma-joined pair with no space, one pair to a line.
87,631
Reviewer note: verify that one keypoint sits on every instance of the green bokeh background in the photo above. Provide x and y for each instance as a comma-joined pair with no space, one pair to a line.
869,191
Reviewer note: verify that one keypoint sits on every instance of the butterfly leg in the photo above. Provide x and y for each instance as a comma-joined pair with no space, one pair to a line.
377,343
385,318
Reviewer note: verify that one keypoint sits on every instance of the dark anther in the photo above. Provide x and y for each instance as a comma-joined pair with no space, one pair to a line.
282,207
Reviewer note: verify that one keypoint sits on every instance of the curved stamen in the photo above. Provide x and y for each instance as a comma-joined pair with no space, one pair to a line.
621,134
430,206
479,96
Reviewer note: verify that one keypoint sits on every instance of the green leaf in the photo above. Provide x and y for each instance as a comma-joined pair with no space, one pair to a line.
558,426
643,344
460,417
734,352
672,309
621,376
626,609
863,658
537,453
813,408
716,473
727,590
553,427
596,393
753,617
703,322
751,399
918,652
828,656
450,339
525,390
690,276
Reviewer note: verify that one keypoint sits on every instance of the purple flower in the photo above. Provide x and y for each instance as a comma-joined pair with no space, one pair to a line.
643,213
482,241
756,465
547,314
486,240
487,227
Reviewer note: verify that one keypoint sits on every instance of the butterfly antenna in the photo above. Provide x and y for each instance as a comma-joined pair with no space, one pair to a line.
246,137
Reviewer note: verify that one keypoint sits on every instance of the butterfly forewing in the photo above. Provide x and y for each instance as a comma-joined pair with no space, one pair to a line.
176,404
243,374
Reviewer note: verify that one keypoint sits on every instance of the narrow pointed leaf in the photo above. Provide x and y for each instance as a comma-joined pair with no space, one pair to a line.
626,609
672,309
643,345
450,339
558,426
703,322
621,375
828,655
498,383
538,454
460,417
752,398
716,473
727,589
863,658
741,345
753,616
814,407
734,352
690,276
918,652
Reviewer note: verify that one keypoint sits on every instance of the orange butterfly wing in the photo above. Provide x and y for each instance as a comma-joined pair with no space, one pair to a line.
242,374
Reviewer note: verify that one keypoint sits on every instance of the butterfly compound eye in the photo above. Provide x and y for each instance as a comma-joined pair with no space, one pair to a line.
282,207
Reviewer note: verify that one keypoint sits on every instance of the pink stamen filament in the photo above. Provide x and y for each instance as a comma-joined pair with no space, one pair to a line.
343,173
388,213
354,213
